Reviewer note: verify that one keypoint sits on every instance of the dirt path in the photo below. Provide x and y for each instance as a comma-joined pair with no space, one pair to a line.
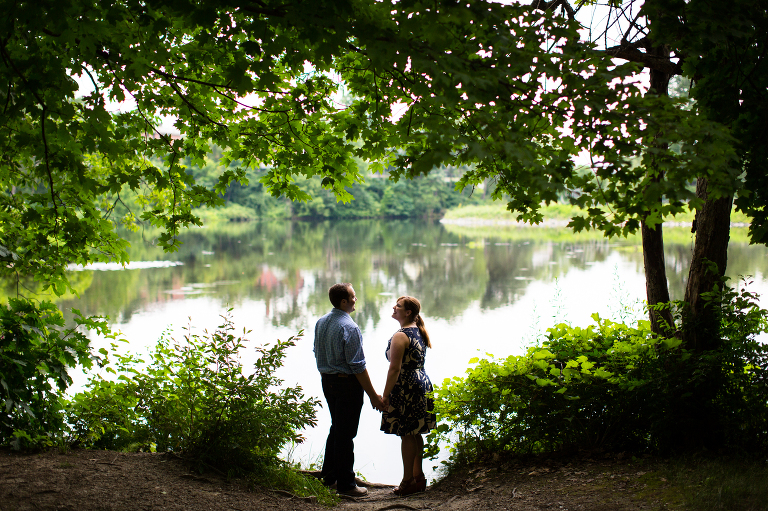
105,480
586,484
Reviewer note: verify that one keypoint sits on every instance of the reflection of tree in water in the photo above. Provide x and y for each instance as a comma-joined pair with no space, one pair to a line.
511,266
743,260
677,260
289,266
449,280
747,260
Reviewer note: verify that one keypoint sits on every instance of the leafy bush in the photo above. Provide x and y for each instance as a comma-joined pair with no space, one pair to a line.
36,353
615,387
194,399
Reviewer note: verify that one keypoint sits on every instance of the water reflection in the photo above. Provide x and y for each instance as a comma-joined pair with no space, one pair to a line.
448,268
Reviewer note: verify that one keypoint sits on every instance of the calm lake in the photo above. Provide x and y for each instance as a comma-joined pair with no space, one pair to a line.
484,290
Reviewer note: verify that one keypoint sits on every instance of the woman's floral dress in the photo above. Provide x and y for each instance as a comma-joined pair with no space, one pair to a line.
410,402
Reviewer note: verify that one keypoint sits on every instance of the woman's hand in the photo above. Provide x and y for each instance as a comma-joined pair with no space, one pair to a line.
386,402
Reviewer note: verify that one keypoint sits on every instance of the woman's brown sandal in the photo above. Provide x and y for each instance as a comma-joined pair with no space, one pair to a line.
421,483
412,486
402,487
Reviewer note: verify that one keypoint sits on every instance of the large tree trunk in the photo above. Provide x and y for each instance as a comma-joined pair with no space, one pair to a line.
713,224
656,287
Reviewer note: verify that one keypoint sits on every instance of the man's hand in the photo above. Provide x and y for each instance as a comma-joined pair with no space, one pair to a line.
377,402
365,382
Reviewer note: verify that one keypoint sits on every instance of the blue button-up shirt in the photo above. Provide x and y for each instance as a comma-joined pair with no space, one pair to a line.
338,344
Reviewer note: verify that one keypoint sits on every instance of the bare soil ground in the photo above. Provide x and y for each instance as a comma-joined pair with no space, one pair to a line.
84,480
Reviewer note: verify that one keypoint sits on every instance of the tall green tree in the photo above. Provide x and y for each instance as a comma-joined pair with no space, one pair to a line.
721,48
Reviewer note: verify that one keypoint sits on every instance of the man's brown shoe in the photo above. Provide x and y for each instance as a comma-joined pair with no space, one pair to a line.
355,491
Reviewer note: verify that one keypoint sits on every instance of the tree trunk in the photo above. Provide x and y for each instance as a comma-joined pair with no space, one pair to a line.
713,225
656,287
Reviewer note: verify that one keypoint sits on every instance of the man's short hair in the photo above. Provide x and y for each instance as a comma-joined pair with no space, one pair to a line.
339,292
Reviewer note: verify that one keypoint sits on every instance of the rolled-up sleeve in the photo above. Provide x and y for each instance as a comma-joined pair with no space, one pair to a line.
353,349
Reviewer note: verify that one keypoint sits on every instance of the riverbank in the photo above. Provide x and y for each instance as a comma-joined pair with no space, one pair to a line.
88,480
555,215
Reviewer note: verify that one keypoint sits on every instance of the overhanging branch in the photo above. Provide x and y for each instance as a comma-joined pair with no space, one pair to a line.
554,4
631,52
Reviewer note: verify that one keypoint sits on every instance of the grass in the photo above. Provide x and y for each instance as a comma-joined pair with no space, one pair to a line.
720,484
543,234
498,211
694,483
562,212
288,478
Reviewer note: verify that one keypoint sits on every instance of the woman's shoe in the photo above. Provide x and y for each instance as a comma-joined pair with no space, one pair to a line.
412,486
403,486
420,483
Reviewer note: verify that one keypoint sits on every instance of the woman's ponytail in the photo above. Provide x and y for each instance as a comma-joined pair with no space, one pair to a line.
423,330
414,306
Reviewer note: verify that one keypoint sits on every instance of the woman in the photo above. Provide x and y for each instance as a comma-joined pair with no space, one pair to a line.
407,393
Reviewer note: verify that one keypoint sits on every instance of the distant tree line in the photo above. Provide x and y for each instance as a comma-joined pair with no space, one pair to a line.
378,196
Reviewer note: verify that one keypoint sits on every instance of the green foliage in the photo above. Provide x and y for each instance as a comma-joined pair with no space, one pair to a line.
615,387
377,196
230,213
725,48
36,353
193,398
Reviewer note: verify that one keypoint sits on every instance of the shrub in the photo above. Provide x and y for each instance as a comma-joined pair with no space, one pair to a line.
194,399
36,353
615,387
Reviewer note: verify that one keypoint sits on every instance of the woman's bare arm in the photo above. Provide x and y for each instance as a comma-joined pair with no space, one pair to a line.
396,352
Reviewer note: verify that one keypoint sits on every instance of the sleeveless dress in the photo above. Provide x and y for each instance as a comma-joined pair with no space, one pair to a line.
409,403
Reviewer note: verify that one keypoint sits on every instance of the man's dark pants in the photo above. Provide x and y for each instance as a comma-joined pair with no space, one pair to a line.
344,396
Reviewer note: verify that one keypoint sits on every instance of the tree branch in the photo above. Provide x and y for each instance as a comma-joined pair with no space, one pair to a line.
193,107
8,97
554,4
93,81
630,52
171,76
244,105
7,57
48,168
632,24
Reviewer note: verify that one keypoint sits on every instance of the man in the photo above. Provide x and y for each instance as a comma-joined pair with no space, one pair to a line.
341,362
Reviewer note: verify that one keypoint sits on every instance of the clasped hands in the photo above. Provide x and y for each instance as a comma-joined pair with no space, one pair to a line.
379,403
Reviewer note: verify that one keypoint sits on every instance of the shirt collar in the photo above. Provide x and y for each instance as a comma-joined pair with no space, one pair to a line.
336,310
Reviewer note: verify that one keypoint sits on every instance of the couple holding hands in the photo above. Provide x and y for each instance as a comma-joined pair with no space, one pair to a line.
405,403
